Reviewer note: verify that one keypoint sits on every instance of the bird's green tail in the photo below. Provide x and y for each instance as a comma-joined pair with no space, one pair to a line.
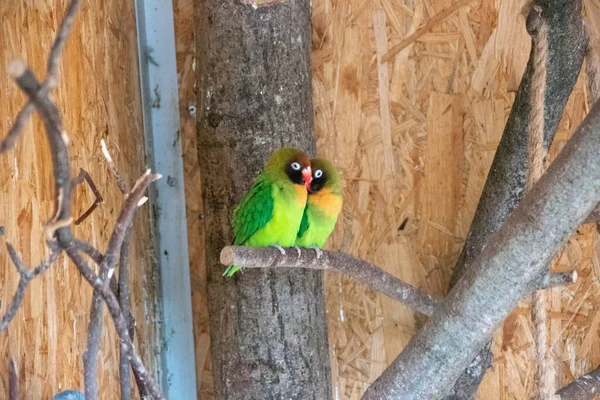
232,269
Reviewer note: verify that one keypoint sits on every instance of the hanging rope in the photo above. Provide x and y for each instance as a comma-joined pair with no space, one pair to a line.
545,382
592,64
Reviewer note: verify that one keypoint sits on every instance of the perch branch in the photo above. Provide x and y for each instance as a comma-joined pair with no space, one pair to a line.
25,276
585,388
505,184
503,274
121,325
270,257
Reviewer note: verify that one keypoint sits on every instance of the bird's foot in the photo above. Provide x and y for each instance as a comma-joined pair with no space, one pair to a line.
298,250
317,251
281,250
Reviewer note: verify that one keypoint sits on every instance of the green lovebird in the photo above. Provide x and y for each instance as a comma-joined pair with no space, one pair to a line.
322,207
271,211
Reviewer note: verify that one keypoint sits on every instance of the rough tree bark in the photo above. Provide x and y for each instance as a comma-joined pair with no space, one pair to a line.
504,273
268,327
506,180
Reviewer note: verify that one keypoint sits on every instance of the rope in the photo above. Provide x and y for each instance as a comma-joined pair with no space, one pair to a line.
592,64
545,382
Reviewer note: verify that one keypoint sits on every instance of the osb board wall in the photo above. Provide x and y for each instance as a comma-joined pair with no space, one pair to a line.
414,139
98,97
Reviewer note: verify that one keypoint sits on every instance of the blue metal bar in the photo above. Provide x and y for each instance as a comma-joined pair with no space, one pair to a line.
158,75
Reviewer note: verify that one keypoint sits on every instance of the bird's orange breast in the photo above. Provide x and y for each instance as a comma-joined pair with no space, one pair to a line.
327,202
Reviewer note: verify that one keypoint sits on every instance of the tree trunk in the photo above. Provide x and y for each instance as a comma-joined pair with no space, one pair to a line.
268,327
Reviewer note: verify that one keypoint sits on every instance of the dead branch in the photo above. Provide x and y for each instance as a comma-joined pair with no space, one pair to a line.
84,176
551,280
271,257
121,325
13,381
585,388
25,276
505,272
107,266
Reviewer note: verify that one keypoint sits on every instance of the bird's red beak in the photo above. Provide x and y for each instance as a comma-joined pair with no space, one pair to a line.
307,175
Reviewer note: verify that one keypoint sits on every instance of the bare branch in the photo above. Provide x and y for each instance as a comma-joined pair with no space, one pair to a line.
503,274
15,130
121,325
88,250
113,169
60,40
25,276
124,368
551,280
85,176
13,380
270,257
585,388
107,266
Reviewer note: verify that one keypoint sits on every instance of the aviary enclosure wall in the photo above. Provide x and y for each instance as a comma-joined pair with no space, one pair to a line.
442,103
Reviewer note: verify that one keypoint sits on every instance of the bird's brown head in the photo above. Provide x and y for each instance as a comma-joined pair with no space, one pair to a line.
294,163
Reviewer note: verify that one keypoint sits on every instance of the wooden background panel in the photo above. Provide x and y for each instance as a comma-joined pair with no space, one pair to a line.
99,97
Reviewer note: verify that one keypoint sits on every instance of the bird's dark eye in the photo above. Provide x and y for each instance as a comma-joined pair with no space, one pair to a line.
318,173
295,166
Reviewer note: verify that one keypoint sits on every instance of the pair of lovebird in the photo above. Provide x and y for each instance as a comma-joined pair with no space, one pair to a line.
294,201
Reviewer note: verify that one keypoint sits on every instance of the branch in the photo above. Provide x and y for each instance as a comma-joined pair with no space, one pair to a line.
85,176
25,276
13,381
271,257
505,184
585,388
503,274
121,325
90,356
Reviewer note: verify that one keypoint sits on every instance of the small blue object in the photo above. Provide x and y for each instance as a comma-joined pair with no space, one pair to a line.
69,395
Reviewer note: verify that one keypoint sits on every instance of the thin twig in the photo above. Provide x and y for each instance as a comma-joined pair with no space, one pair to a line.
85,176
557,279
25,276
378,279
121,325
13,380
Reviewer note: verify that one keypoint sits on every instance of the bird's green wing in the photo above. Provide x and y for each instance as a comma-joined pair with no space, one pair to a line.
304,223
254,212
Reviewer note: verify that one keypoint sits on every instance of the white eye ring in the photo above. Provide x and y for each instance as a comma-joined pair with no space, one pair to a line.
295,166
318,173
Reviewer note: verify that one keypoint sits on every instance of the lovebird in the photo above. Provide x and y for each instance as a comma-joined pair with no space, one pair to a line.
271,211
322,207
